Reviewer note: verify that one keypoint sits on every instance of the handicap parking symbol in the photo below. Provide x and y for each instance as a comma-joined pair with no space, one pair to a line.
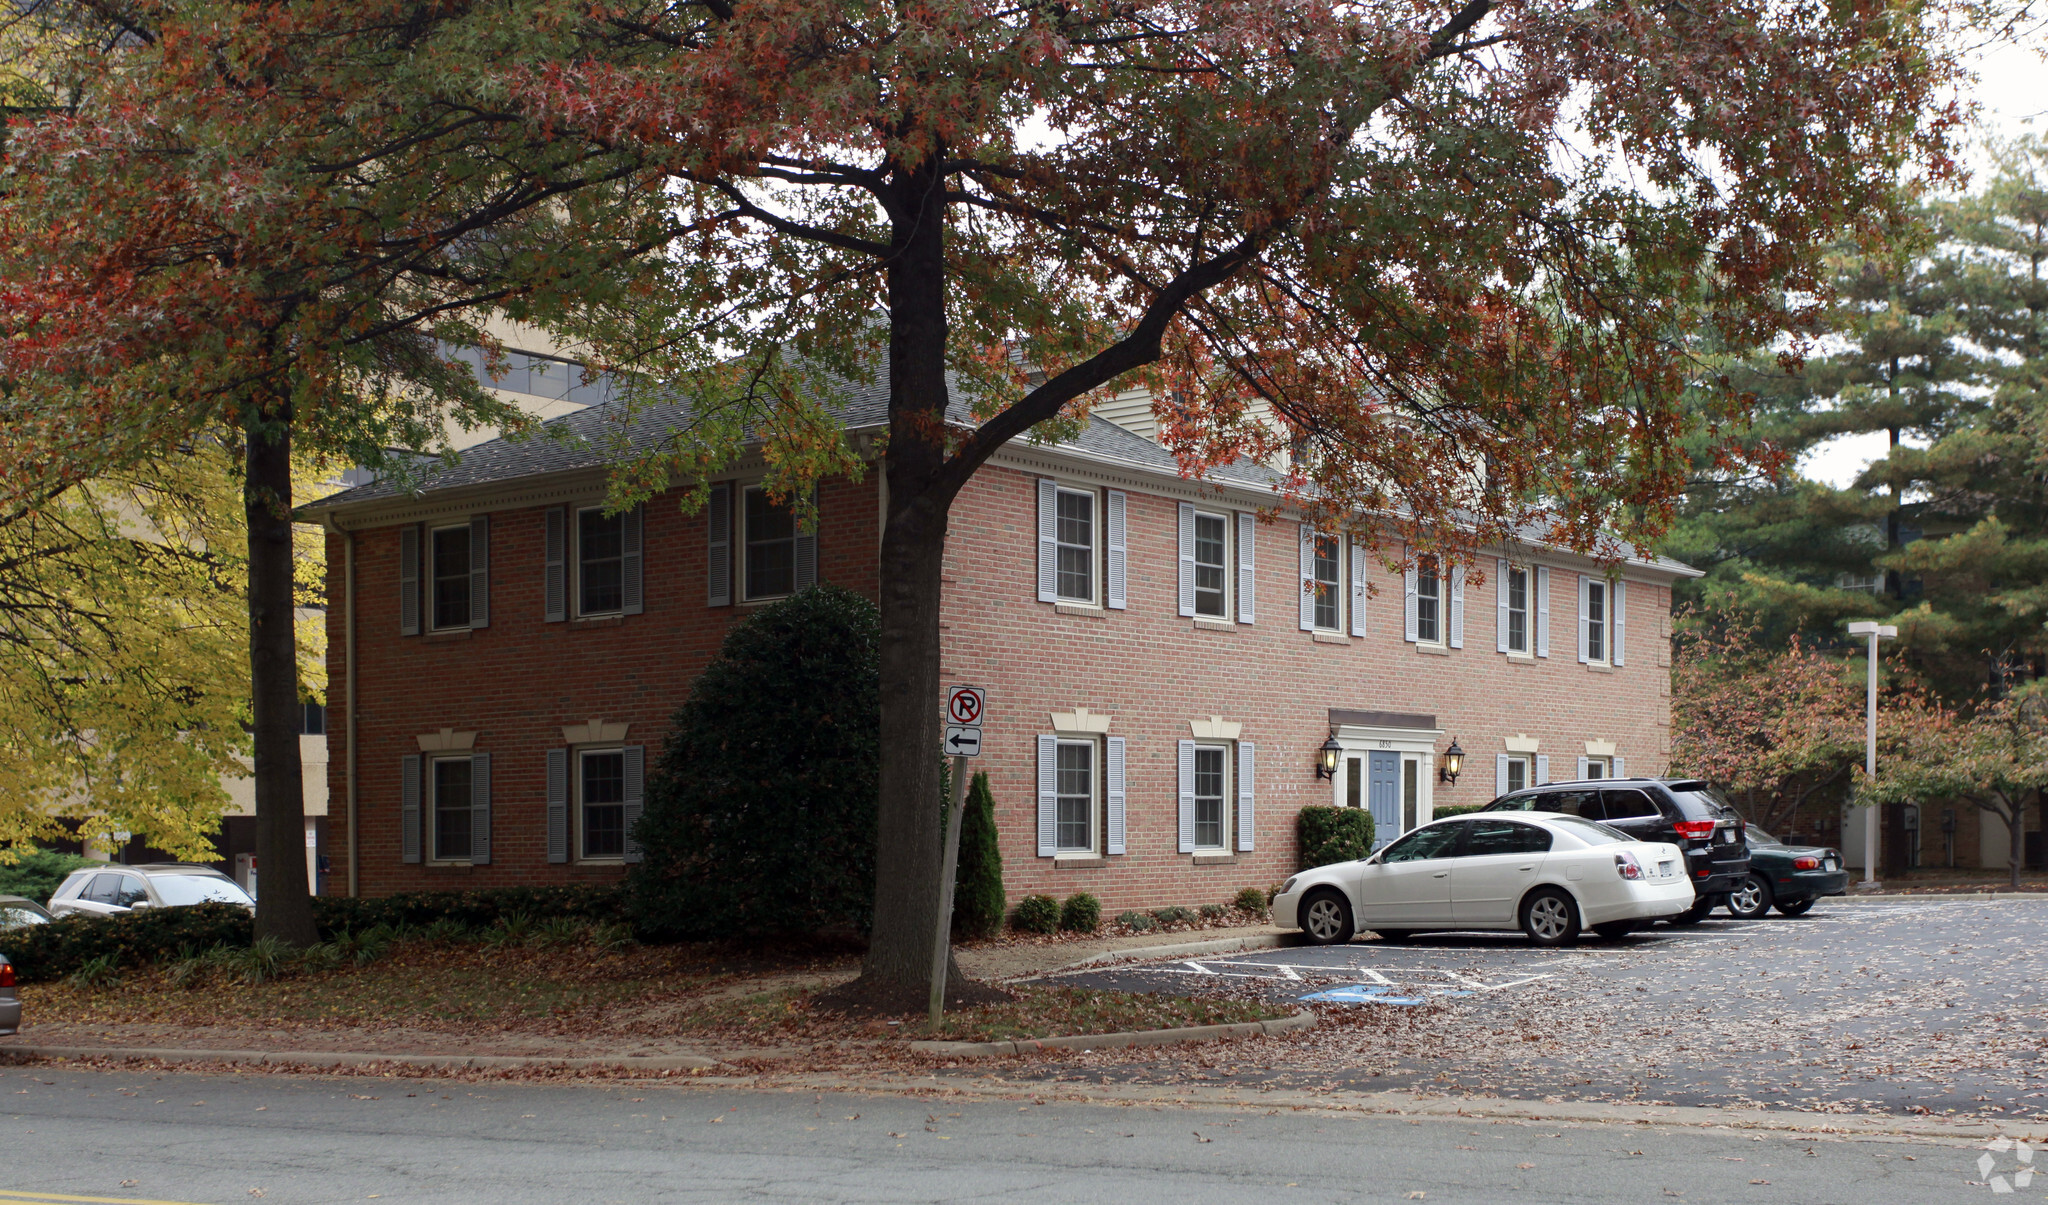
1371,993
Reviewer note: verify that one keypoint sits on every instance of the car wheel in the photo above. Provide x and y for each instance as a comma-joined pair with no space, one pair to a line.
1796,907
1549,918
1695,914
1615,928
1326,918
1751,899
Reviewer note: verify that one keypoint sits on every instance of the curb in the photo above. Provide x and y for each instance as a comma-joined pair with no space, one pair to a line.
316,1058
1215,945
1117,1041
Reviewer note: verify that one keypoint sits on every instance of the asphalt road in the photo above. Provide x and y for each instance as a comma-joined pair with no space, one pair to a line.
216,1139
1899,1006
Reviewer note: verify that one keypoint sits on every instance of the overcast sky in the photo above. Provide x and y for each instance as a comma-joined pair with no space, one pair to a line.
2014,101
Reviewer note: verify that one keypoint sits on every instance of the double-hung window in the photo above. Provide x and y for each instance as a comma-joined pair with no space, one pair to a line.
600,562
1429,590
448,549
1074,806
1596,622
1329,562
1516,583
451,783
770,542
1515,773
1212,568
1074,536
1212,774
601,802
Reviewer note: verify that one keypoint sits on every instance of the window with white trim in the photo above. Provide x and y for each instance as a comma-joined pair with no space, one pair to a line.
1429,610
600,562
1517,773
769,546
601,803
1212,796
1598,767
1596,621
448,551
1328,568
1516,583
1074,545
1212,565
451,779
1074,785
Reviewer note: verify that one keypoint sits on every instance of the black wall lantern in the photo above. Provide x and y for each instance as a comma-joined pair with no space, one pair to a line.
1326,757
1453,764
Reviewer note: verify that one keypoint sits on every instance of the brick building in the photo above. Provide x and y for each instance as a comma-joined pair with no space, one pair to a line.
1162,667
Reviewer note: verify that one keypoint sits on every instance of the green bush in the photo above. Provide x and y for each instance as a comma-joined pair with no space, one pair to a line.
592,905
1082,913
978,885
1329,834
45,952
760,816
1251,899
38,872
1213,911
1036,914
1173,915
1440,813
1137,922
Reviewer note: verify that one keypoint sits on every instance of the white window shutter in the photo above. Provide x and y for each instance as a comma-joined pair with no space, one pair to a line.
635,796
1048,795
1617,770
1247,566
1585,632
1542,768
1113,793
480,572
558,806
1246,798
1187,559
1358,561
1306,586
1500,606
1585,767
409,808
480,809
1116,595
555,565
1540,577
1457,592
1500,774
718,547
1410,630
1617,606
409,580
807,551
1187,797
629,572
1048,542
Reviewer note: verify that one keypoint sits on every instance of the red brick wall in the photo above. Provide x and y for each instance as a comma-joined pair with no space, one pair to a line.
519,681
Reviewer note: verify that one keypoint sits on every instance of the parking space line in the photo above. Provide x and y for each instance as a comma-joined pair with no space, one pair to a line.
16,1197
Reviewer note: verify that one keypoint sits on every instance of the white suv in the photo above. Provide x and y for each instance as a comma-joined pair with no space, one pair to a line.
111,890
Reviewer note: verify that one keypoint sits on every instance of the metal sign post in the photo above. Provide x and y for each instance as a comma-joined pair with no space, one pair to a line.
964,707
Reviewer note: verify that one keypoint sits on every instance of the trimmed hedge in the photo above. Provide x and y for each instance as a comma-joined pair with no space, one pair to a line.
1440,813
45,952
1330,834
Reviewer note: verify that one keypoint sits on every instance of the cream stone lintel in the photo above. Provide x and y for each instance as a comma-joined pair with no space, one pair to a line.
1215,728
1599,748
447,741
1522,742
1080,719
592,733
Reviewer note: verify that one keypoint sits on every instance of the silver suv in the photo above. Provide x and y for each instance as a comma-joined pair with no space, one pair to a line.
112,890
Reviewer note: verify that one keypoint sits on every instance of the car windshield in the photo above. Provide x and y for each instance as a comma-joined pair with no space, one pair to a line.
14,916
1589,832
198,889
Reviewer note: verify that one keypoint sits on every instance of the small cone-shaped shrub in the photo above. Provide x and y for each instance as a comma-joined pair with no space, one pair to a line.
978,888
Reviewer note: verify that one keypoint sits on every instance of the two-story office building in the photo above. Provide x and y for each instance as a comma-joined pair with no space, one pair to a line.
1163,665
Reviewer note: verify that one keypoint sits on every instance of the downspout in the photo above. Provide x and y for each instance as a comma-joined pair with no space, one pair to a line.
349,656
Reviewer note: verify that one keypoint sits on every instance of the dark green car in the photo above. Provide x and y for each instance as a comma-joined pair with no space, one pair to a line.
1787,877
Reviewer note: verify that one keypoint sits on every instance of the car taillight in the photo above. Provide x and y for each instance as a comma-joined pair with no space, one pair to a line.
6,974
1626,866
1695,829
1806,863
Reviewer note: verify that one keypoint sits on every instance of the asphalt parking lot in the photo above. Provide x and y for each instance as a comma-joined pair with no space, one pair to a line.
1909,1006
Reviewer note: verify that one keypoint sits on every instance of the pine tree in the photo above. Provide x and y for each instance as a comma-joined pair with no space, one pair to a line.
978,901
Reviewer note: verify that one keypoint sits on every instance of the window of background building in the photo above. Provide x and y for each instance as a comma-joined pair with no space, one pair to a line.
600,562
1212,576
770,546
1328,564
1074,532
452,800
602,788
1074,784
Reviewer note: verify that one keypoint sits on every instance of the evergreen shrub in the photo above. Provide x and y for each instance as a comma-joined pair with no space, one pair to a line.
978,884
1081,913
1328,835
1036,914
38,872
1250,899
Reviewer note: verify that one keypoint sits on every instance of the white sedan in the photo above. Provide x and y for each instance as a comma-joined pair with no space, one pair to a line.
1548,875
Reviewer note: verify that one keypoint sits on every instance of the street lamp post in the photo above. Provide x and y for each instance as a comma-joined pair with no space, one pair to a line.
1876,632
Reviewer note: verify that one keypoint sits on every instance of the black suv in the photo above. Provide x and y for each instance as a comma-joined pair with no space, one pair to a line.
1683,811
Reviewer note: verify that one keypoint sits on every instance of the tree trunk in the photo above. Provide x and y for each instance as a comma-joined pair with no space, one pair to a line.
284,907
2016,832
